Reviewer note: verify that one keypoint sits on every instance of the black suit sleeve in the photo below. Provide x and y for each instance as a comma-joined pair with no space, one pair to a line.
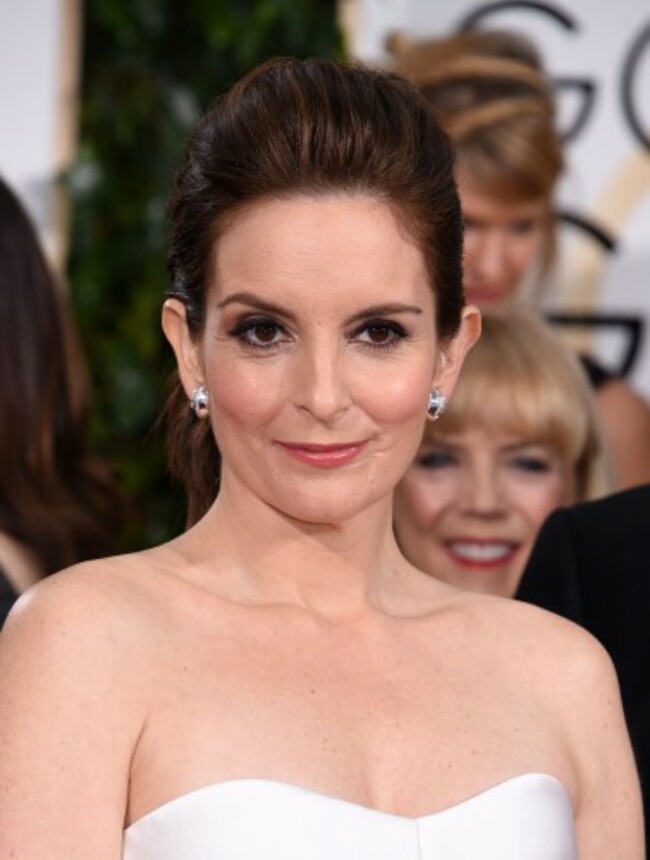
551,578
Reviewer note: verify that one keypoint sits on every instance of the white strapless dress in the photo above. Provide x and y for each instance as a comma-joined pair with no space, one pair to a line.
528,817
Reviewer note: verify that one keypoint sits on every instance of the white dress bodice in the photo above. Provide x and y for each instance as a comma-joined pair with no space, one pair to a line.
528,817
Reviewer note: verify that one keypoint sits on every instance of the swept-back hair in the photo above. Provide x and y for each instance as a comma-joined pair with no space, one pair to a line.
305,128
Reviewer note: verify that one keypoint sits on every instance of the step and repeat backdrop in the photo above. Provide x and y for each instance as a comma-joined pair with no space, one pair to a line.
597,55
39,70
598,58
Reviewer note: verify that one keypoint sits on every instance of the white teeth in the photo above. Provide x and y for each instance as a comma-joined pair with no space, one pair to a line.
481,551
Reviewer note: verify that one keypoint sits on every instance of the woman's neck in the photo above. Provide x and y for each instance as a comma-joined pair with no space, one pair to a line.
260,554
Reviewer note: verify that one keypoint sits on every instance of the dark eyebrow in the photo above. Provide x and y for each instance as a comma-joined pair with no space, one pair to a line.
254,301
385,310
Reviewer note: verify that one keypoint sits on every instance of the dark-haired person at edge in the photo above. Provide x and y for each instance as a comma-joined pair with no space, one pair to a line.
279,681
591,563
489,91
58,506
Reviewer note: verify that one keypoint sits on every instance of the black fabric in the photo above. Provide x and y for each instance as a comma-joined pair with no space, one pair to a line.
596,373
7,597
591,563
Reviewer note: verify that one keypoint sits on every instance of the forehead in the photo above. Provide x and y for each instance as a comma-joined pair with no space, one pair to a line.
480,205
319,246
480,436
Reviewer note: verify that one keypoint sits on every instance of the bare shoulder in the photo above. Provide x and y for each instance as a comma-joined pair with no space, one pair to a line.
551,652
570,674
77,670
618,393
99,589
90,615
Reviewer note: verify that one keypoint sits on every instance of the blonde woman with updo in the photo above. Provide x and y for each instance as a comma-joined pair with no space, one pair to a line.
489,91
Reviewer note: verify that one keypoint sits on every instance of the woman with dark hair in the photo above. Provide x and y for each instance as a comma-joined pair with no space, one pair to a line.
57,505
489,91
279,681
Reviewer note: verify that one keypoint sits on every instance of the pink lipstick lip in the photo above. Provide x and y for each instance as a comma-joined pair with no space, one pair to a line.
323,456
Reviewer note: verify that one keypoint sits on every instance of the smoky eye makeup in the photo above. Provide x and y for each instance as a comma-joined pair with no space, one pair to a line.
378,333
258,331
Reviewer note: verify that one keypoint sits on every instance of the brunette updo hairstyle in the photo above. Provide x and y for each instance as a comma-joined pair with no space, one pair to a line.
314,128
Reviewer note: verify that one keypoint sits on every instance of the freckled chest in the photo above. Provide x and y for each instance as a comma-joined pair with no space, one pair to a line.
406,709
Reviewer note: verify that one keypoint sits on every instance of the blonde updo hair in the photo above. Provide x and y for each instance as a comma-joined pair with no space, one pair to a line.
489,92
521,379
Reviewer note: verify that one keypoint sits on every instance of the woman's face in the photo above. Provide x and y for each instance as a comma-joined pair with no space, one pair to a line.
469,508
318,353
503,242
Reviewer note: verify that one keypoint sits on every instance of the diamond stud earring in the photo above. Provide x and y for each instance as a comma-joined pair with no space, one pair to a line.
199,401
436,405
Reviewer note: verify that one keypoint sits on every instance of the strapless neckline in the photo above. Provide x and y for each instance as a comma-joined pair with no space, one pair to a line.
525,817
215,788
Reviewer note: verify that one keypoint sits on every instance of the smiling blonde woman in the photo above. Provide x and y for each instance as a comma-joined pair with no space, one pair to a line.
520,438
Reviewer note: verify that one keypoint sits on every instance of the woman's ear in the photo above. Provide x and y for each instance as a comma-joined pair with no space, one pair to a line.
453,351
186,349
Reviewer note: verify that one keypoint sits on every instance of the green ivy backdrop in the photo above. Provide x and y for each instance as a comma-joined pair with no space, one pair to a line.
149,69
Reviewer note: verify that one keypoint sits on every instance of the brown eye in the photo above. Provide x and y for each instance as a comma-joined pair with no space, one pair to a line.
260,334
381,334
265,333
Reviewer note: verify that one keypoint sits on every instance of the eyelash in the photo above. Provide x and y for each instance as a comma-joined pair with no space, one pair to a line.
397,332
522,228
442,459
535,465
436,460
244,330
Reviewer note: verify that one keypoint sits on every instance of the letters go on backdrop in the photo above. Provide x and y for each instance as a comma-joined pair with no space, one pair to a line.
598,57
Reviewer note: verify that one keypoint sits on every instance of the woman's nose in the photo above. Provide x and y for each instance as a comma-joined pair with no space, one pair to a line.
321,385
487,256
482,492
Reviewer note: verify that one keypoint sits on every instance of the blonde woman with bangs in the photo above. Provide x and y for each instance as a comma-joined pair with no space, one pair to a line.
520,439
489,91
